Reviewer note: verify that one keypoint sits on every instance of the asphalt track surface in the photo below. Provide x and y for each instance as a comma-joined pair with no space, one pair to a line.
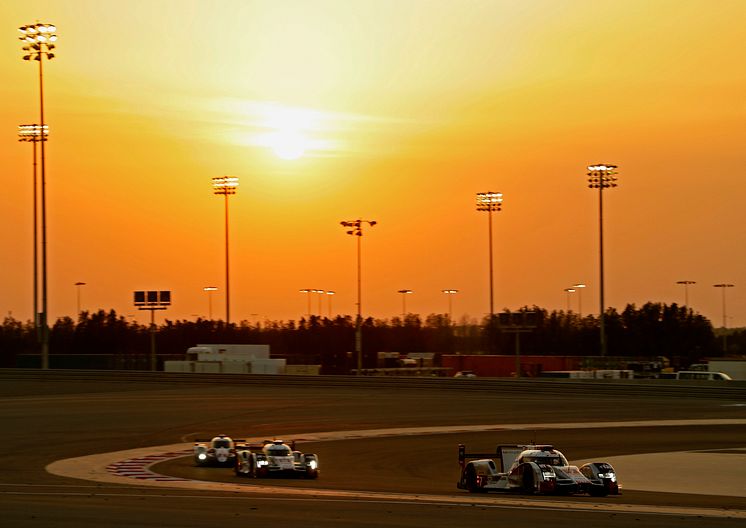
45,421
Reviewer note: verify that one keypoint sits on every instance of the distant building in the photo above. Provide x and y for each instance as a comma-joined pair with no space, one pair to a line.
227,359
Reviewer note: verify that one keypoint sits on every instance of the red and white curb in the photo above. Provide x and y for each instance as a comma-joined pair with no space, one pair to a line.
138,468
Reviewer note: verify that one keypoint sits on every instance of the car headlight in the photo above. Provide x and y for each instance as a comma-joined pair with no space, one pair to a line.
547,474
261,463
202,456
313,464
610,476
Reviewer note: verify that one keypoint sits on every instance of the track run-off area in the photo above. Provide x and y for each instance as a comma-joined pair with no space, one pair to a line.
660,477
387,452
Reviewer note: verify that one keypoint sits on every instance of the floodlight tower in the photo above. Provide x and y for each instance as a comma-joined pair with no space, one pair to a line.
724,287
490,201
321,294
329,295
355,228
77,287
569,291
686,284
601,176
308,292
404,294
38,43
209,290
34,134
450,294
226,186
579,288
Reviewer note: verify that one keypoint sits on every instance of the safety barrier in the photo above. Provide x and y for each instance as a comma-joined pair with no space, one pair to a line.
733,390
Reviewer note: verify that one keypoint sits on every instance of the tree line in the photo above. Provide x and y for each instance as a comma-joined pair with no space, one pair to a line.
650,331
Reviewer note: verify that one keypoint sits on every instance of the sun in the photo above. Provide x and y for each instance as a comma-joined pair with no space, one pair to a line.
288,144
288,131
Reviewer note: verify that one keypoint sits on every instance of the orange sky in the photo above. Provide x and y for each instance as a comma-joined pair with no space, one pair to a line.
402,111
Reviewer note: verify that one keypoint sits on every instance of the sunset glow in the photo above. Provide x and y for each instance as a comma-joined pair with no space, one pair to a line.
401,111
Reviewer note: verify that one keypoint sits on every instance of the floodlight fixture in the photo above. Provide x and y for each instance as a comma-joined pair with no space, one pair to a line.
225,185
602,176
33,133
489,201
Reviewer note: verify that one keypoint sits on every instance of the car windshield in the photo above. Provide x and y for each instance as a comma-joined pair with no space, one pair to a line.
550,460
279,451
221,443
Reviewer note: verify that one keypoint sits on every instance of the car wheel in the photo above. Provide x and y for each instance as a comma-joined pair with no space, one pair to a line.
244,469
312,473
527,483
471,481
240,469
598,491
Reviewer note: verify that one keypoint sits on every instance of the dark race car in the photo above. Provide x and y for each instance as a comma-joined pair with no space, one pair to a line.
533,469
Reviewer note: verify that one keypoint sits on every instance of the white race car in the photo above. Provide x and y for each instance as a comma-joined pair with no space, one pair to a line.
533,469
275,458
220,450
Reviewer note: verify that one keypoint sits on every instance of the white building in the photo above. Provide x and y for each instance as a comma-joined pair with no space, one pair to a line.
227,359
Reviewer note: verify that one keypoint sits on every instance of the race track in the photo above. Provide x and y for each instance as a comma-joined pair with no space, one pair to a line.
386,481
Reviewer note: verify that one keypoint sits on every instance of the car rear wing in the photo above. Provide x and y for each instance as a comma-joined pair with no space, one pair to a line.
463,456
258,447
506,454
202,442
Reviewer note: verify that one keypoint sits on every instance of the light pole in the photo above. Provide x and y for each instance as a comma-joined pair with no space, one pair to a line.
355,228
308,292
209,290
490,201
601,176
38,43
686,284
569,291
78,285
153,300
321,294
329,295
34,134
226,186
404,294
579,288
723,287
450,294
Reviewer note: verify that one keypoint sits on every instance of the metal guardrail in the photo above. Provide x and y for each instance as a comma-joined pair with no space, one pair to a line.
733,390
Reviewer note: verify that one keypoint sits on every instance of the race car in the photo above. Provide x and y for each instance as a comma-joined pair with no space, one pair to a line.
275,458
220,450
533,469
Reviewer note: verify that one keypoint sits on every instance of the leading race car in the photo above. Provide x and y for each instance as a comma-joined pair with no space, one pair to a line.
220,451
533,469
275,458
